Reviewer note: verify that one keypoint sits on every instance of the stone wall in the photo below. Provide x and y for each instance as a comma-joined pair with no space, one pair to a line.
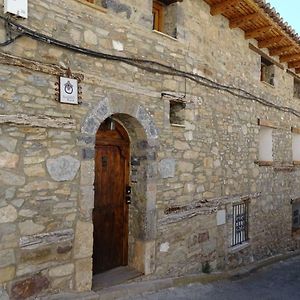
188,175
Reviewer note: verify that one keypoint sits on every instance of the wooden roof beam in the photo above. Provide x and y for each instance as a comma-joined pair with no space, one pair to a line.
270,42
221,7
294,64
289,57
281,50
242,20
252,34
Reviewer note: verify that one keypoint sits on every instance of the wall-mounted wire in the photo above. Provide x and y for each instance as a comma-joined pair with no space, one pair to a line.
147,65
9,35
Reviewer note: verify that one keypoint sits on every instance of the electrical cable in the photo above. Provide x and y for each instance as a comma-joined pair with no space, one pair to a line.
10,39
144,64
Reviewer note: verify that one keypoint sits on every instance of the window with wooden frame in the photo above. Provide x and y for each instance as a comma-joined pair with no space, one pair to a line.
267,71
265,157
164,14
158,16
177,112
296,145
296,88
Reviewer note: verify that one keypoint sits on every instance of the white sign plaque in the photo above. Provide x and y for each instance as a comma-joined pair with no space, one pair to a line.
16,7
68,90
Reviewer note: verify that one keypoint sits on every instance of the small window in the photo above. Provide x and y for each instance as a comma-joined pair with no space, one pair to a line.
158,16
91,1
267,71
296,146
297,88
240,223
265,144
177,112
165,17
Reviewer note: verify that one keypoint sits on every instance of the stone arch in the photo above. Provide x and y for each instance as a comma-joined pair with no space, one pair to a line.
106,108
144,141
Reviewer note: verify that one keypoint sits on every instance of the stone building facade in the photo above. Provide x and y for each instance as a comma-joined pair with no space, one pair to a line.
195,142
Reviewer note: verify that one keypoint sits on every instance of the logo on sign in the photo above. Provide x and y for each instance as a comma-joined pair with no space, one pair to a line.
68,90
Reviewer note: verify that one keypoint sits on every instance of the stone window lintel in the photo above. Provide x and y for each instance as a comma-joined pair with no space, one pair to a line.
295,130
264,163
266,123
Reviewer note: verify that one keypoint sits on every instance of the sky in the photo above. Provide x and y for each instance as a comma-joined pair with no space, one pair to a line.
289,10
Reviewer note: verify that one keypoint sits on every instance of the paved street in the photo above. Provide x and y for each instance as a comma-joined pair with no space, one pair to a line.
279,281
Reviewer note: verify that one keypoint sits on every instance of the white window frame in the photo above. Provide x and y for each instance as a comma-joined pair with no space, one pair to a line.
266,144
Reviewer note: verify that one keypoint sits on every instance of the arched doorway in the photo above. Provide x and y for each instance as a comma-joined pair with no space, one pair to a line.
143,144
112,196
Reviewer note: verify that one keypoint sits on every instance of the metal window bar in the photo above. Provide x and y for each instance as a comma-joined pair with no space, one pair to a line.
240,223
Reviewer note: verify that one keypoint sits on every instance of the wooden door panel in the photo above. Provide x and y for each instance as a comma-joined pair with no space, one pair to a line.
110,215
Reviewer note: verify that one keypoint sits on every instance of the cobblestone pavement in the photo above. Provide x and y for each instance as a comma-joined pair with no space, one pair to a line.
280,281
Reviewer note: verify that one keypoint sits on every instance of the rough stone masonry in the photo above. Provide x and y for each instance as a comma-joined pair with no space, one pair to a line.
185,177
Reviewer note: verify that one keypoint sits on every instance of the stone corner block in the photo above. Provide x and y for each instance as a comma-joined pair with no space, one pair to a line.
90,125
87,173
146,120
103,109
83,245
62,270
83,274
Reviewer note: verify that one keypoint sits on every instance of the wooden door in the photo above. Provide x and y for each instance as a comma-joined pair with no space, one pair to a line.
110,215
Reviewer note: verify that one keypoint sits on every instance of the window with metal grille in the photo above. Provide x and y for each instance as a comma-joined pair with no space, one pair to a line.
296,218
240,223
